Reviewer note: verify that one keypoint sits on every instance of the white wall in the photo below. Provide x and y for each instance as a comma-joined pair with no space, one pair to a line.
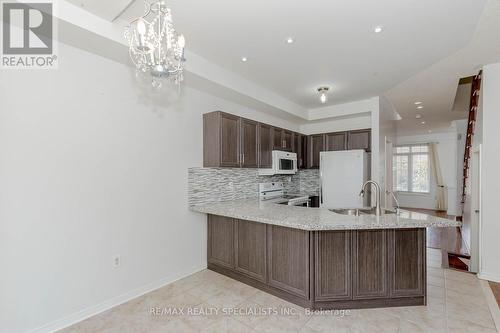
490,181
91,167
447,153
360,121
386,134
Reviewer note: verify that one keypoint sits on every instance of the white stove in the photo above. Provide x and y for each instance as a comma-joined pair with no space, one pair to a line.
276,193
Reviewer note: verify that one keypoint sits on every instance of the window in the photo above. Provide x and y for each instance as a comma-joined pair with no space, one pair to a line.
411,168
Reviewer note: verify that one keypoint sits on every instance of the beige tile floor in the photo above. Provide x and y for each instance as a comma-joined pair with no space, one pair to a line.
456,304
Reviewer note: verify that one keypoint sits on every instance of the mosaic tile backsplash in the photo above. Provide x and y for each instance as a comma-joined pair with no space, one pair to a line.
206,185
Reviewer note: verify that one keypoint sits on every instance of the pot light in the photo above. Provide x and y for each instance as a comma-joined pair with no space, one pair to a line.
244,59
323,94
289,40
418,116
423,122
418,103
378,29
420,107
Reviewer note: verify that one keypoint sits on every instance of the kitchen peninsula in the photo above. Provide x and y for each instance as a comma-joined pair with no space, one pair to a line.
319,259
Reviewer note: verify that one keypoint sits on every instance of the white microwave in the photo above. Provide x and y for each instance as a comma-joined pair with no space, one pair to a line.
283,163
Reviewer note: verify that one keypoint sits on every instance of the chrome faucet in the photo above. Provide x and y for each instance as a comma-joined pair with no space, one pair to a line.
378,210
395,200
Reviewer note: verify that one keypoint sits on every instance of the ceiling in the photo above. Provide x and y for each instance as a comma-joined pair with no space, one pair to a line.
335,45
437,85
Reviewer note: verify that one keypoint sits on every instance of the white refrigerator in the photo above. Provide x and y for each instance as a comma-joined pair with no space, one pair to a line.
342,174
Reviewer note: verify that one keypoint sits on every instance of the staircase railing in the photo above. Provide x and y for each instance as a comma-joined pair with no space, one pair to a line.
471,125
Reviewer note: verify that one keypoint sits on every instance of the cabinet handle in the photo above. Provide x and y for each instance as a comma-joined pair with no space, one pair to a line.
283,144
243,158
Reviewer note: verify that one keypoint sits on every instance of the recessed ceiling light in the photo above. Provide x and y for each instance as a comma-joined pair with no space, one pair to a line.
417,103
378,29
289,40
244,59
423,122
420,107
418,116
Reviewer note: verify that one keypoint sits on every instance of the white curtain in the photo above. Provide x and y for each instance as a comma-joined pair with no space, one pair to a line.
441,203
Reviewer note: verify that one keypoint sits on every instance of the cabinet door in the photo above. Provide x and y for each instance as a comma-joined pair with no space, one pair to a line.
359,140
230,140
287,140
265,146
315,145
220,241
288,260
250,249
407,254
302,155
249,152
369,256
336,141
277,138
333,265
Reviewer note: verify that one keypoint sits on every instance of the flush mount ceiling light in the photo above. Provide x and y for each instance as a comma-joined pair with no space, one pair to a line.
244,59
378,29
323,94
418,103
154,45
289,40
420,107
418,116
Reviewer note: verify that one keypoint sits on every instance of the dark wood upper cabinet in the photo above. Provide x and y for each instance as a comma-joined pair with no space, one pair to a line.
287,140
315,145
277,138
336,141
249,143
221,140
359,139
265,146
232,141
302,154
300,148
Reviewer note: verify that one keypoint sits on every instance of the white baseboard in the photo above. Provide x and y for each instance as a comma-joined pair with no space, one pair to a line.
489,276
108,304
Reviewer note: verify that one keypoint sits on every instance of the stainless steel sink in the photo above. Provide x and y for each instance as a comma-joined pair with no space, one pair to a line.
359,211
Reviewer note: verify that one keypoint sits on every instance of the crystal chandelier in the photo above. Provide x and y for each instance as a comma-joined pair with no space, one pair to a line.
154,45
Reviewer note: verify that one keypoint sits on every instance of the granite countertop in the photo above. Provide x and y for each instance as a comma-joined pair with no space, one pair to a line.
306,218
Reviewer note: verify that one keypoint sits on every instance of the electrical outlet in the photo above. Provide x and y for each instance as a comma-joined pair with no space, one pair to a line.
117,261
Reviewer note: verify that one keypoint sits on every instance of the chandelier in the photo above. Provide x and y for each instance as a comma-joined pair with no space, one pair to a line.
154,46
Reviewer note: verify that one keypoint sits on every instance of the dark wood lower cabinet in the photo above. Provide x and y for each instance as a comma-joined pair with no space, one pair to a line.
288,260
369,263
408,268
342,269
220,249
332,265
250,249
